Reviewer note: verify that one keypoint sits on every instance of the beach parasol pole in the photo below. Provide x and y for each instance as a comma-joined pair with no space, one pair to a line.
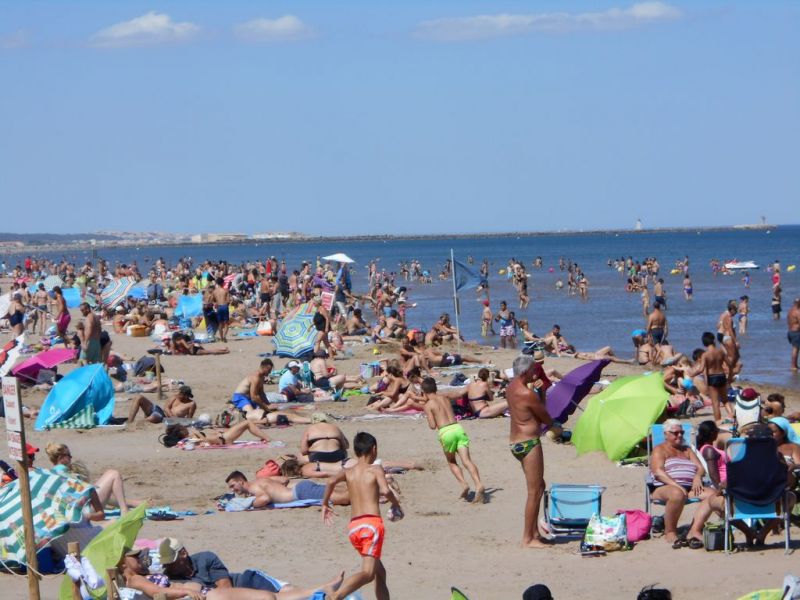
15,432
455,297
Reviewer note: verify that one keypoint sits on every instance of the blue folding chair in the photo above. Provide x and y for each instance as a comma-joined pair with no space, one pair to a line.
569,507
756,485
655,438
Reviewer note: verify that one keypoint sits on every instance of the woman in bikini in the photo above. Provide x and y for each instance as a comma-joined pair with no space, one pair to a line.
183,344
212,437
481,398
324,446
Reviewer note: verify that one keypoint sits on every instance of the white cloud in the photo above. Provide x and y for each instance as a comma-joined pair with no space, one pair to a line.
492,26
287,28
16,39
148,30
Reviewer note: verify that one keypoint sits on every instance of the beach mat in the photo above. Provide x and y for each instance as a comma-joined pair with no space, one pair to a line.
239,445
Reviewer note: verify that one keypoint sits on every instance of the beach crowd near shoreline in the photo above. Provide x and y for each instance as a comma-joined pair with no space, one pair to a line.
357,409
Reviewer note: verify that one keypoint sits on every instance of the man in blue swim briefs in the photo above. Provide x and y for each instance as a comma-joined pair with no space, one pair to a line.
528,414
249,394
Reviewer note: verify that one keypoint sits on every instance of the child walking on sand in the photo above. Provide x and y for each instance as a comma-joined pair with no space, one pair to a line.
366,482
452,437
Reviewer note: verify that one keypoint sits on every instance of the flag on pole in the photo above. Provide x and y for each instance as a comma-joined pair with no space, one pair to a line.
464,277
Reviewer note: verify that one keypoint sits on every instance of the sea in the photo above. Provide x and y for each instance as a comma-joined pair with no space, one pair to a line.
606,318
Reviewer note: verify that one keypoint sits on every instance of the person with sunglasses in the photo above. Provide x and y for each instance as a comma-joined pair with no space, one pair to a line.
676,474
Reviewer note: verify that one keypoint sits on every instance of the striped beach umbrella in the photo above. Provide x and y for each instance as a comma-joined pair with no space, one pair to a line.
295,336
57,503
116,291
52,281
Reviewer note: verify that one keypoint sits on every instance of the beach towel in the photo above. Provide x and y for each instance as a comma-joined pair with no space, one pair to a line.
377,416
247,334
231,503
113,513
465,366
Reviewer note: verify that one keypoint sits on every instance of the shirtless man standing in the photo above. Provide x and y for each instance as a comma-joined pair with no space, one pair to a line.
40,302
222,299
486,320
793,321
657,328
726,333
528,414
249,394
90,336
713,362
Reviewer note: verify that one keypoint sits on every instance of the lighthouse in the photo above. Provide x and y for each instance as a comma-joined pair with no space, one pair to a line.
638,225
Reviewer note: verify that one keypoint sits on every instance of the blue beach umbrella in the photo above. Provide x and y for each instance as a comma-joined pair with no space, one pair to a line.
295,336
189,306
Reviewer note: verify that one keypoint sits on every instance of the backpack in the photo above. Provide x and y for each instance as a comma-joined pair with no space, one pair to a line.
461,407
226,418
638,524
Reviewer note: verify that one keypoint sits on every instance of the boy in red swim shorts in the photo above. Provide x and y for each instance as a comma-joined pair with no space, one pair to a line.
365,482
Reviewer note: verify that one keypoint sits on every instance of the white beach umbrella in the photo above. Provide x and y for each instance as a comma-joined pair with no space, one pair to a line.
339,257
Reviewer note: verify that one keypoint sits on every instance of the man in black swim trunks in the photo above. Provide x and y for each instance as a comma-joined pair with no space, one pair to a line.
657,327
713,362
793,335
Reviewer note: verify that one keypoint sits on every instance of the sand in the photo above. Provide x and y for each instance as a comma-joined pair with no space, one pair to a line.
442,541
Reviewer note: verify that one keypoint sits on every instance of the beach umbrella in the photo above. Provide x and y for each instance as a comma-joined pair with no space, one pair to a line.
295,336
620,416
339,257
83,398
107,547
49,359
57,502
52,281
307,308
565,396
10,353
116,291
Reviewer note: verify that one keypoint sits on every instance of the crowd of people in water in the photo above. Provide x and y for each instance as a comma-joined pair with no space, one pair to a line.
408,379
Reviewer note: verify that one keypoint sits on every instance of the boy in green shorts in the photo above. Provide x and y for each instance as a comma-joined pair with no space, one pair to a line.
452,437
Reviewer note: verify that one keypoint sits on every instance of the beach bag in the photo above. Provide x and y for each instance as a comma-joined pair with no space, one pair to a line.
270,469
370,370
461,407
714,537
264,328
637,524
608,533
226,418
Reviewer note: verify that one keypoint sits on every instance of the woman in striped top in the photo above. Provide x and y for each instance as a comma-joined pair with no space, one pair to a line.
677,475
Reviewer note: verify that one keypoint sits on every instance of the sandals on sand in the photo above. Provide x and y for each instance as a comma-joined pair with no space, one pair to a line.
695,544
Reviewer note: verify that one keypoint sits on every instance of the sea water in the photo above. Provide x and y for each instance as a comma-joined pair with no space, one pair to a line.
609,315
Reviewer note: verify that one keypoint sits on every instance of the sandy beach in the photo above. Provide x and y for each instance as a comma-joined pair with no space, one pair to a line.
442,542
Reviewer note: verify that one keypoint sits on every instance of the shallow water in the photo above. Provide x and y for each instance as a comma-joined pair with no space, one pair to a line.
610,313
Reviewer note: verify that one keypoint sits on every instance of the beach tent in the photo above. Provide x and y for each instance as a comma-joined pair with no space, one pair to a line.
189,306
82,399
57,502
620,416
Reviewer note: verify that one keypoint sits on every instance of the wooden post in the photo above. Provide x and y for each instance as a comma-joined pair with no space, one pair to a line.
158,377
74,548
112,590
15,426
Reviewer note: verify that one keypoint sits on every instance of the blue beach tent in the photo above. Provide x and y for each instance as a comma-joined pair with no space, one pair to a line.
83,398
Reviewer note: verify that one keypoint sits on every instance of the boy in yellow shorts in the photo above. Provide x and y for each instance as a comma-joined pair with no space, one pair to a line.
452,437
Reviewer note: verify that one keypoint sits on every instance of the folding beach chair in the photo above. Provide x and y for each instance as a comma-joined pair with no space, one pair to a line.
655,438
568,507
756,485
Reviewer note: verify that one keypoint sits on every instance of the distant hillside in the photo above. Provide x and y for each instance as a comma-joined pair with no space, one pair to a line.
37,239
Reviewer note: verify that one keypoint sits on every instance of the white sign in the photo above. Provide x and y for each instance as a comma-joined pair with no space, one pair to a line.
11,404
14,445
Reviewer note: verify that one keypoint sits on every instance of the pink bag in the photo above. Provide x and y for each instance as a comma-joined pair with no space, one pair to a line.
638,523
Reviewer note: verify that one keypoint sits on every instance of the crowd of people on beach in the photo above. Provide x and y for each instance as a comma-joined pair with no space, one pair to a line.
408,378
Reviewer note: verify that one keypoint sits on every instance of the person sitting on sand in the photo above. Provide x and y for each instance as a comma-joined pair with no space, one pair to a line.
557,344
675,475
409,399
181,406
441,331
775,406
412,352
325,447
356,324
452,437
396,384
481,399
644,350
289,384
249,393
109,487
325,376
212,437
269,490
183,344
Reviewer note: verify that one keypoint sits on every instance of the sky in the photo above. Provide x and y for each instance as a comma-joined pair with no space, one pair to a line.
358,117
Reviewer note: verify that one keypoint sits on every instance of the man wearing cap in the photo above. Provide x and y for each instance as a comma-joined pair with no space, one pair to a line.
528,414
208,570
289,384
793,335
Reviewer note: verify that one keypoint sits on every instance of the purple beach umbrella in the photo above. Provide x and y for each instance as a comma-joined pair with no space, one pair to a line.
564,397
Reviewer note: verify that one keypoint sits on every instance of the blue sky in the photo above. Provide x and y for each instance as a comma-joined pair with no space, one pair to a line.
410,117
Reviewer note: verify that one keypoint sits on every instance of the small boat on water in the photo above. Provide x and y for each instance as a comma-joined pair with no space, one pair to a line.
741,265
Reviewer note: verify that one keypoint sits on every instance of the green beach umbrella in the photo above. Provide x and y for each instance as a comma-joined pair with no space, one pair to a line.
105,550
57,502
621,415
